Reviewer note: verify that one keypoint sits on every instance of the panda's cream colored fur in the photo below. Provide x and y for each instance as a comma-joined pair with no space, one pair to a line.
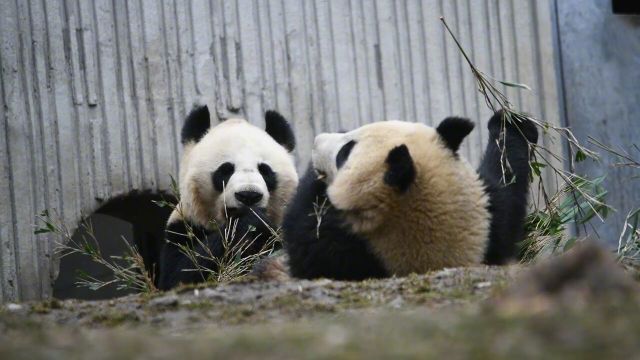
442,220
244,145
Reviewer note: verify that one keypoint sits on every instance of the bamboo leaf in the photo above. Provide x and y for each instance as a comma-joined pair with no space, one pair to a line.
536,167
569,244
580,156
514,85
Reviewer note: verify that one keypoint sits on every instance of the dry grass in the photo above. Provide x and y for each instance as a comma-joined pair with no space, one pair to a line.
128,269
235,262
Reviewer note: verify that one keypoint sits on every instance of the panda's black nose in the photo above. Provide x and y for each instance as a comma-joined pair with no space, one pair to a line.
248,197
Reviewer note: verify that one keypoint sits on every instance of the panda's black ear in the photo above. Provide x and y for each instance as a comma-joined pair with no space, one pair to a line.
400,169
279,129
453,130
197,124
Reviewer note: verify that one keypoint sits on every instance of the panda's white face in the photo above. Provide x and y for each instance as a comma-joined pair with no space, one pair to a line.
235,165
243,179
326,148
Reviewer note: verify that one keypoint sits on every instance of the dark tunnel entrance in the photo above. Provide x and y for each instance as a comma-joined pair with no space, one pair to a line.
138,219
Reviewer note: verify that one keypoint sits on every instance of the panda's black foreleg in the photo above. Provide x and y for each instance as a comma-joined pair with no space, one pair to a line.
247,233
505,171
253,231
175,267
317,241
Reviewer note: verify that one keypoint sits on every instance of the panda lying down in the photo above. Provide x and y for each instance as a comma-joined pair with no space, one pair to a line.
389,198
395,198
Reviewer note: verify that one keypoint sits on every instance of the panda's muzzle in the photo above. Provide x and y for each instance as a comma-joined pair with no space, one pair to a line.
248,198
330,151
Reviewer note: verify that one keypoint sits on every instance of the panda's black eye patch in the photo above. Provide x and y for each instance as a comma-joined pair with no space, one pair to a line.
270,177
221,176
344,152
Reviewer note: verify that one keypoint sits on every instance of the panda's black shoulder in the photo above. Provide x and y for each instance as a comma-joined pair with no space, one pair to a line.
328,249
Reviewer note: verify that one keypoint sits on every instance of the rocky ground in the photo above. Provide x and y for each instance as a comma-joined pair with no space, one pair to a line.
579,306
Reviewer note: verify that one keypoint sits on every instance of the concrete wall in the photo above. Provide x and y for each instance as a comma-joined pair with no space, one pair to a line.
94,92
600,55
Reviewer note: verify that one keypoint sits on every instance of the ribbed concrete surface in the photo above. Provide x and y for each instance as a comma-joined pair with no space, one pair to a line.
94,92
601,70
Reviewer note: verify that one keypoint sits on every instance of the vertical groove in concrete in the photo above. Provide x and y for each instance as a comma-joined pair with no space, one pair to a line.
94,93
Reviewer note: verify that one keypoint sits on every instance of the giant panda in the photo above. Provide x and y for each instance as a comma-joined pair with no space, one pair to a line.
393,198
235,181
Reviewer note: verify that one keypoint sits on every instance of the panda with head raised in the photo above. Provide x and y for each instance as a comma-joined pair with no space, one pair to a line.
393,198
233,175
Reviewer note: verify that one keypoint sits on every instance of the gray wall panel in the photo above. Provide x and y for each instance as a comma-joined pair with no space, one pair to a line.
601,71
94,92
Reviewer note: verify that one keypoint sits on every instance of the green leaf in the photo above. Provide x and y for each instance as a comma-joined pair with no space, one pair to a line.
581,156
536,166
175,188
81,273
569,244
49,228
514,85
160,203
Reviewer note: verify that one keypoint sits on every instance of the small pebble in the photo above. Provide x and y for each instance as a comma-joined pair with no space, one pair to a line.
396,303
14,307
484,284
168,301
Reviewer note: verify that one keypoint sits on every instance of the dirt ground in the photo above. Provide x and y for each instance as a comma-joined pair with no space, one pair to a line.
578,306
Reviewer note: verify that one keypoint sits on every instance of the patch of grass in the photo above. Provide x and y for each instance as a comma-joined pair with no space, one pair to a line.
236,314
486,333
45,307
184,288
296,304
115,318
354,299
199,305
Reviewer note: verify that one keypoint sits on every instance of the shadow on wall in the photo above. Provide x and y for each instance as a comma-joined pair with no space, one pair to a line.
136,218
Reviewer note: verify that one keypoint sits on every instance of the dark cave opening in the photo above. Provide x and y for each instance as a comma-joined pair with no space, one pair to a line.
135,217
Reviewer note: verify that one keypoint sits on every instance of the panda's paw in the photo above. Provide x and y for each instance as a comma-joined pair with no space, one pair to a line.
272,268
518,127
